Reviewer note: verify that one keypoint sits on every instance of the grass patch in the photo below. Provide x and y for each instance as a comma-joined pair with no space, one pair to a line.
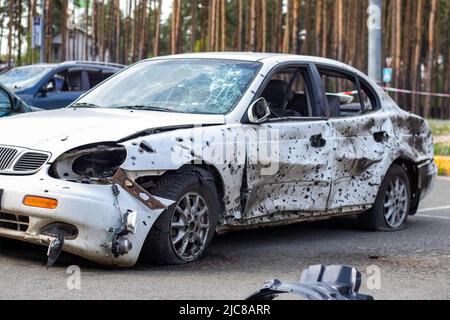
441,149
440,127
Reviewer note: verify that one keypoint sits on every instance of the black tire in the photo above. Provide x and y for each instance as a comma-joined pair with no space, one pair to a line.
158,247
376,219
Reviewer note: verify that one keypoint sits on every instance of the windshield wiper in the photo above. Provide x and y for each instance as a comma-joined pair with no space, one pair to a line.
85,105
142,107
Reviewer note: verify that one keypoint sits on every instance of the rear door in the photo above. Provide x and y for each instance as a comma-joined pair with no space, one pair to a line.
97,75
362,133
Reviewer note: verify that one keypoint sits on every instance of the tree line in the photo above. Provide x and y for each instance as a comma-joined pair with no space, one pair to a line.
415,34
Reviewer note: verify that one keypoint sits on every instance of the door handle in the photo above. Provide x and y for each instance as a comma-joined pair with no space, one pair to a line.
318,141
380,136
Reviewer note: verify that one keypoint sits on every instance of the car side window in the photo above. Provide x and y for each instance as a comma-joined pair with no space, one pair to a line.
5,100
59,82
287,94
95,77
345,95
74,79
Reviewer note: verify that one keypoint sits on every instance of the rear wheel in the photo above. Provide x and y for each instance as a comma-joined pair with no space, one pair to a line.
391,208
184,230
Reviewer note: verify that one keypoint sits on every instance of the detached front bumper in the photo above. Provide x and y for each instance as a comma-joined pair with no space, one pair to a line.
92,209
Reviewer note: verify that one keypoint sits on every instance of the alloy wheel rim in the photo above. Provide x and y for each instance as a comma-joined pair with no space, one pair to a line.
395,203
189,226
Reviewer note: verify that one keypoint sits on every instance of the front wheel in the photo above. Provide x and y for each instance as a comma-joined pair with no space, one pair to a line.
391,208
183,231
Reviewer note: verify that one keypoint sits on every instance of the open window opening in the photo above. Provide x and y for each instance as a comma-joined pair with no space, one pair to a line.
287,94
346,94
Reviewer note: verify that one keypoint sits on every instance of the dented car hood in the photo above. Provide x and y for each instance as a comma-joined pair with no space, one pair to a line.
61,130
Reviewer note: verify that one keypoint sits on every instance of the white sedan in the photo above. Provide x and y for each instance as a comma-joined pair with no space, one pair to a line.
159,158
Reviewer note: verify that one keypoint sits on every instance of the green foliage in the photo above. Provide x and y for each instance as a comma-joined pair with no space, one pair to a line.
440,127
442,149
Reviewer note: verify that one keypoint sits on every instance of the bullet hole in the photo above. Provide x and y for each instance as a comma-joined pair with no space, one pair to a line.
147,147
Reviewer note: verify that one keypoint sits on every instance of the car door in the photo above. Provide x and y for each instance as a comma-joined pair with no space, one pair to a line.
298,176
64,87
362,131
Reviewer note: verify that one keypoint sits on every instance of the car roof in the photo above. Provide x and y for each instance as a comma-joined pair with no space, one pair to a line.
76,63
250,56
259,57
244,56
92,63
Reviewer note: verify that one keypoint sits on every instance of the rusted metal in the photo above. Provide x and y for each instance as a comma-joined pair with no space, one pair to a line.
137,191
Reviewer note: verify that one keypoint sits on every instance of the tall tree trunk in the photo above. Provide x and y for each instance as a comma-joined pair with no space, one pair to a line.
430,57
224,23
416,59
398,43
447,60
318,27
156,50
287,22
64,17
142,34
324,29
240,22
264,25
117,35
217,26
29,31
211,24
294,40
252,25
193,24
101,27
86,30
340,23
407,44
94,30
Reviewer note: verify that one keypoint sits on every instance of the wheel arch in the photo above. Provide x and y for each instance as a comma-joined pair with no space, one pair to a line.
210,168
413,174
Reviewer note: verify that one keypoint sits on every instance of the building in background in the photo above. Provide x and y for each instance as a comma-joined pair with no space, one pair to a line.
74,47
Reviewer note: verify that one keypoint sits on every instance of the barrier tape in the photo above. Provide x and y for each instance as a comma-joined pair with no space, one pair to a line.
421,93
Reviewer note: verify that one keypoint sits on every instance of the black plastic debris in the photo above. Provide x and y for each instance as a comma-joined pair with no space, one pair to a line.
318,282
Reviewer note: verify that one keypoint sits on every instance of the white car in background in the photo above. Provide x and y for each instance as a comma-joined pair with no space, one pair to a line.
164,154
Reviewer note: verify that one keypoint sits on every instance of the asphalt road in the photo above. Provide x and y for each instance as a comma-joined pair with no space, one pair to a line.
413,263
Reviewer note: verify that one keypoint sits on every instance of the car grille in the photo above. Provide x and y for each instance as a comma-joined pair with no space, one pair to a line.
30,161
6,157
15,160
13,222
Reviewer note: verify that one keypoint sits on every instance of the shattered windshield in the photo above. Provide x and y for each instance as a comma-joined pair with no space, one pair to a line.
206,86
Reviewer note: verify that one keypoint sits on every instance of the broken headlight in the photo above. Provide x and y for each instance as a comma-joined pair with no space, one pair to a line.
85,164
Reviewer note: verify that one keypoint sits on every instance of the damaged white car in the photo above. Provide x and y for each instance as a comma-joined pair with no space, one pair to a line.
157,159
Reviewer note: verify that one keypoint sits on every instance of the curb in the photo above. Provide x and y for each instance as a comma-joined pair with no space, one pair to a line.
443,163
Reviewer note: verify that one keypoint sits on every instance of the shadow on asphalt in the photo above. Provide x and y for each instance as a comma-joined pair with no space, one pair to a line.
329,241
35,254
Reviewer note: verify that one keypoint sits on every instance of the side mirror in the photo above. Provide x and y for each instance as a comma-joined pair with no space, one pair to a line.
259,111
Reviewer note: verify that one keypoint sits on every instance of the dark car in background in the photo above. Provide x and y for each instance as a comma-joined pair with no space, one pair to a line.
10,104
53,86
